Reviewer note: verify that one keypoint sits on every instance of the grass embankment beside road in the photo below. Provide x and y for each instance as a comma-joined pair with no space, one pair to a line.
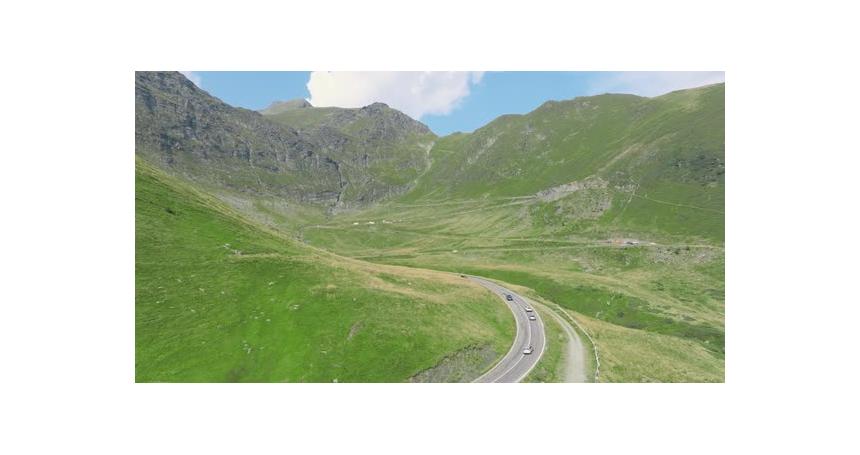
630,355
637,341
552,364
218,298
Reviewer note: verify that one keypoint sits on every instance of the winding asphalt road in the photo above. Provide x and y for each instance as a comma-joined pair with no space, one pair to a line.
515,365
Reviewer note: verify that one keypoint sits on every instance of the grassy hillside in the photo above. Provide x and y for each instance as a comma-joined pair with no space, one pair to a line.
608,162
219,299
641,296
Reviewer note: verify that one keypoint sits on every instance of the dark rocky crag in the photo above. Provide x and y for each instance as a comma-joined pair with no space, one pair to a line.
335,157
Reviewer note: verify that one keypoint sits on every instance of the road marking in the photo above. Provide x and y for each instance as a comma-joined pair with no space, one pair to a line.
516,325
542,349
519,303
529,342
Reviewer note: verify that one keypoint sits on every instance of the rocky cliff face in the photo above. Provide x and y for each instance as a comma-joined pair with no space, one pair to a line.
381,151
352,157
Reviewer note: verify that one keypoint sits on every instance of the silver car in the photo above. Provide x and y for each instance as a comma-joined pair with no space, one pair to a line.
528,350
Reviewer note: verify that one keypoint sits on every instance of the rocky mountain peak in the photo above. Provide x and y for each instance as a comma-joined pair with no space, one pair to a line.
376,106
282,106
330,156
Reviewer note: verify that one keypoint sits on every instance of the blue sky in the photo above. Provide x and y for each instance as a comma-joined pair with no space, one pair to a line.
445,101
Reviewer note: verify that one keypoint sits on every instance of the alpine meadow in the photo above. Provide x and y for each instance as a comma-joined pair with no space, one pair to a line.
582,241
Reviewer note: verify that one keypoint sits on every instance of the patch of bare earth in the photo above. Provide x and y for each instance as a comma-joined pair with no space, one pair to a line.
353,330
462,366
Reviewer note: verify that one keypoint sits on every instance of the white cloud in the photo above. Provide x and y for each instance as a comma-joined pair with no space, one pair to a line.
652,83
193,77
415,93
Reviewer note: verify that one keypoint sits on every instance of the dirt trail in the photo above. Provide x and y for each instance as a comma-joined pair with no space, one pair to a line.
679,205
574,355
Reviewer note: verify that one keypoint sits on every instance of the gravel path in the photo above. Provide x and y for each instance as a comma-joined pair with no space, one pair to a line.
574,355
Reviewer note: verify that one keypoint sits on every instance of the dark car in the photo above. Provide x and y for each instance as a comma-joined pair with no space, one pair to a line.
509,297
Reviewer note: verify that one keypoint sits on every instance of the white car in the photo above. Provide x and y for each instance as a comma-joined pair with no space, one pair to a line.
532,318
529,310
528,350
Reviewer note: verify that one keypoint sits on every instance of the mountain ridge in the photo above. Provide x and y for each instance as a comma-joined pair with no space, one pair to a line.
361,157
668,148
276,107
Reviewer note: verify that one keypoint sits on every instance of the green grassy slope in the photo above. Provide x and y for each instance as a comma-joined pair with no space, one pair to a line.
517,155
641,297
219,299
641,164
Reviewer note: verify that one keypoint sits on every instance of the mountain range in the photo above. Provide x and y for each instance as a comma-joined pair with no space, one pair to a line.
328,156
